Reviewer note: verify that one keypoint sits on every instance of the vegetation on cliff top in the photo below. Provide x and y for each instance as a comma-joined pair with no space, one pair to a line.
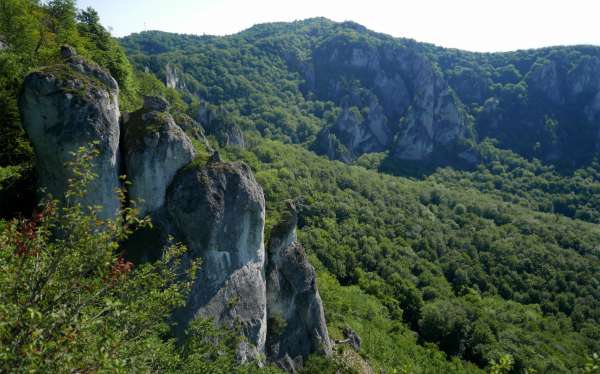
456,272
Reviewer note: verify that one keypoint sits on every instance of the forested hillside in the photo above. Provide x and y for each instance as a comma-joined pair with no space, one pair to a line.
353,95
448,199
459,267
292,81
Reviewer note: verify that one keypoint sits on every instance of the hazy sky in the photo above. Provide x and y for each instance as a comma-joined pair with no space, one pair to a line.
477,25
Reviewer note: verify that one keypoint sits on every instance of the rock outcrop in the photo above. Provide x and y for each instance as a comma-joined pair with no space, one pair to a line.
407,107
68,106
219,211
214,207
217,123
356,132
435,121
296,321
351,338
192,128
583,84
173,78
154,149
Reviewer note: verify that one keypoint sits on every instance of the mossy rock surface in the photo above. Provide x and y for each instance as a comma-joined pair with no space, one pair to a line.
80,77
142,124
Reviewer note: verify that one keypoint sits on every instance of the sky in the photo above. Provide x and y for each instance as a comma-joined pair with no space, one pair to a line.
475,25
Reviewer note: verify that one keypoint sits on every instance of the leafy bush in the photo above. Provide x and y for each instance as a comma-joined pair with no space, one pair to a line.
70,302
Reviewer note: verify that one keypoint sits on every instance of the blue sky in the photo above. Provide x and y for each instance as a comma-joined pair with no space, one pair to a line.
477,25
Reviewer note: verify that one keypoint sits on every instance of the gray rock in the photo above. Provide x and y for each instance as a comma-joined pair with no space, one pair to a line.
173,78
192,128
296,321
155,103
363,134
358,133
435,117
352,338
68,106
545,79
215,121
289,365
230,134
154,149
67,52
411,110
582,81
218,211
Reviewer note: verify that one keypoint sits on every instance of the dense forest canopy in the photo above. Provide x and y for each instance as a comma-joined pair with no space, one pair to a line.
485,266
284,80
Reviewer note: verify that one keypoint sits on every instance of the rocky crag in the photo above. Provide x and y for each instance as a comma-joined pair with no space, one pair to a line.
295,315
356,92
216,208
397,100
68,106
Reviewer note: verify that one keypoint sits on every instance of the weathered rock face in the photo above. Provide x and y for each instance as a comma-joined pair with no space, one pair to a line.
296,321
358,132
173,78
216,123
411,110
434,120
68,106
154,149
192,128
219,212
544,78
216,209
155,103
583,83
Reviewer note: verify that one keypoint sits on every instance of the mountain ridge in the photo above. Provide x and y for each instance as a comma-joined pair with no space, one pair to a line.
484,87
479,255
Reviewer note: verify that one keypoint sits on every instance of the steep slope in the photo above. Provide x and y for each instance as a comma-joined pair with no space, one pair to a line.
351,91
215,208
68,106
433,275
464,270
480,275
296,318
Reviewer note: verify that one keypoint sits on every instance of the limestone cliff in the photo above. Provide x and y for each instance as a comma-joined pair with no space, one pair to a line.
219,211
407,106
216,208
67,106
296,321
154,149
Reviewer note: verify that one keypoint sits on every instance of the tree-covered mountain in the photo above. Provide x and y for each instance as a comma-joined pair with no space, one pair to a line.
519,127
351,91
488,264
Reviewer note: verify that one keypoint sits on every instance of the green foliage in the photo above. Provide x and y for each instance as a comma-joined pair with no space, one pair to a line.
386,343
504,365
33,31
453,273
249,86
70,302
473,275
288,81
513,179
